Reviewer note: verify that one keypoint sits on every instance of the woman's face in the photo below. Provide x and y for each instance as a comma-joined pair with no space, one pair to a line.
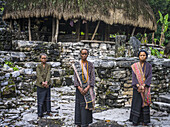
84,55
142,56
43,59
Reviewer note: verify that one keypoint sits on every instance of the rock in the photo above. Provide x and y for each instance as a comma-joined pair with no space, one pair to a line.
6,67
28,71
97,79
161,106
55,64
119,74
28,99
124,63
2,77
94,45
109,64
30,117
7,75
56,81
103,46
2,60
164,98
121,115
135,44
18,54
4,83
15,74
30,64
24,43
166,63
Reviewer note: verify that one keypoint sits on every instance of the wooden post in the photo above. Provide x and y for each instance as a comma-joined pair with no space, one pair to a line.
145,38
53,30
19,22
133,31
86,31
78,30
107,32
11,24
153,42
29,28
23,25
95,30
57,30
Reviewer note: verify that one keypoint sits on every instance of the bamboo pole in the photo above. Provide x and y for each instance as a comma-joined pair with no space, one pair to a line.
133,31
153,42
57,30
29,28
11,24
95,30
53,30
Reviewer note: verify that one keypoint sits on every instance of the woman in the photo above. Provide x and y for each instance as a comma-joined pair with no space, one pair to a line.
141,80
84,81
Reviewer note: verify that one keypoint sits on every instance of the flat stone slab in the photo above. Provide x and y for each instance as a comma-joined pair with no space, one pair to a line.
161,106
165,98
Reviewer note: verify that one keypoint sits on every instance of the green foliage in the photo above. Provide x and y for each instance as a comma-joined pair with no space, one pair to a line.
156,53
164,21
15,68
11,65
164,8
2,9
113,35
82,33
121,51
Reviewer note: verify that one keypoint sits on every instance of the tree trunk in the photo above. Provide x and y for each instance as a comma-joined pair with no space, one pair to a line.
162,36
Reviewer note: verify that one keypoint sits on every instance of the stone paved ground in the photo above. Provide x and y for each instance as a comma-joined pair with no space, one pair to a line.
25,114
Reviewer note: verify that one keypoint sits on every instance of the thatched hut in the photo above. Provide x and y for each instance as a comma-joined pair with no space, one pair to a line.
82,19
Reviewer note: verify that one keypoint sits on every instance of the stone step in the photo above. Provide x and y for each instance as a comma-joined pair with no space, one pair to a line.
164,98
161,106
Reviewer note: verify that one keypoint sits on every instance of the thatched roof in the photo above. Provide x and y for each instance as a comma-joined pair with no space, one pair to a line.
127,12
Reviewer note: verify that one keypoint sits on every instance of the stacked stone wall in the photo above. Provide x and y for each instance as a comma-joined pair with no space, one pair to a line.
113,75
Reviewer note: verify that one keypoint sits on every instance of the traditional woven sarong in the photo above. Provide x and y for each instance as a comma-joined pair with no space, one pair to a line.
140,75
43,100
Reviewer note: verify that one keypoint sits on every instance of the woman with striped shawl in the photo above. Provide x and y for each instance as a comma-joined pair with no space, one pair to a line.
84,80
141,80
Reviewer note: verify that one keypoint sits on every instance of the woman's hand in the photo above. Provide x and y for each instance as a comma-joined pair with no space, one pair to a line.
141,89
81,90
86,89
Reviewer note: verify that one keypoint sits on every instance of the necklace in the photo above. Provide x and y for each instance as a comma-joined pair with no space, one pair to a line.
84,81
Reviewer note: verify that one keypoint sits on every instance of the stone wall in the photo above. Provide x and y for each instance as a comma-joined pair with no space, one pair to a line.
113,75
